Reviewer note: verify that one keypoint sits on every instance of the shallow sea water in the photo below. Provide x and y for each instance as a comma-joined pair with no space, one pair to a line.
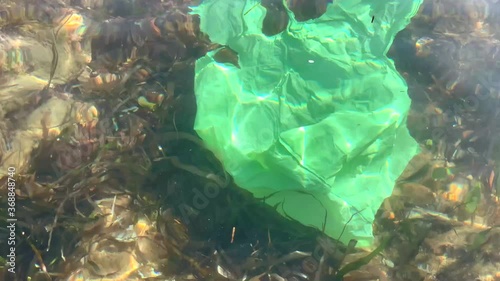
104,178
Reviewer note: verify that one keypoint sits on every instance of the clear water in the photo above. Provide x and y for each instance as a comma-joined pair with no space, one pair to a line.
104,178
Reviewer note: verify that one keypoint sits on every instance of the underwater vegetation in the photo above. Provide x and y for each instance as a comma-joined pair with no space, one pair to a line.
111,182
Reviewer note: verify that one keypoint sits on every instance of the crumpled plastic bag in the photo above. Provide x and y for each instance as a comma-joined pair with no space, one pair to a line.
314,118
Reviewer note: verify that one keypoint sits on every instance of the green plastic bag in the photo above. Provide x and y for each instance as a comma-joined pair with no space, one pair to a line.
315,116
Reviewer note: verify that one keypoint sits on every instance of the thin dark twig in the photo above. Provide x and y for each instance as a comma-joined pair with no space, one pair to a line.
345,225
55,54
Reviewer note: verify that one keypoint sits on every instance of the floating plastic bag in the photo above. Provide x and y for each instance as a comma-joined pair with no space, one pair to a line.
313,118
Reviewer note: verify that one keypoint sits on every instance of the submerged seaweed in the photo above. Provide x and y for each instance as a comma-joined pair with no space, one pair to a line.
113,184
